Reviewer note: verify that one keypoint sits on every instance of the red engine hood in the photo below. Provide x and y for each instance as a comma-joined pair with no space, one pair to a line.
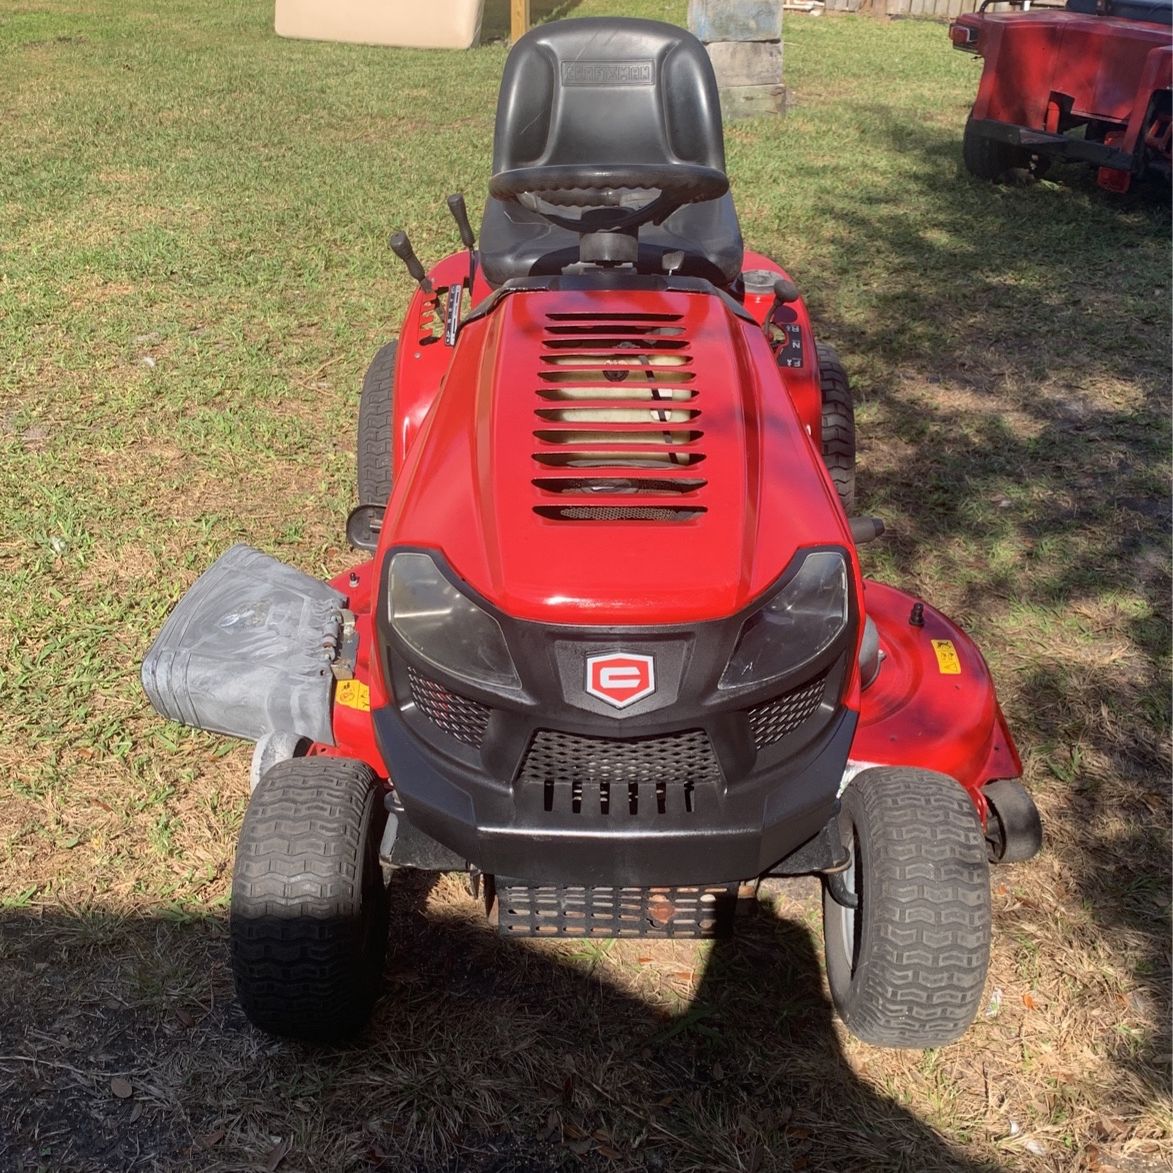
614,458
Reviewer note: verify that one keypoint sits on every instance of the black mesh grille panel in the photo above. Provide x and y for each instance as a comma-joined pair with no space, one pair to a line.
458,716
553,910
775,719
617,513
605,776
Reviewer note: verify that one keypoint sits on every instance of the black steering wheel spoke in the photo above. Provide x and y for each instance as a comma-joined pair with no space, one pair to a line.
613,219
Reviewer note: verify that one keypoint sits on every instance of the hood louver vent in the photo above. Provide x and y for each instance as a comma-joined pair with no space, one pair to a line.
618,420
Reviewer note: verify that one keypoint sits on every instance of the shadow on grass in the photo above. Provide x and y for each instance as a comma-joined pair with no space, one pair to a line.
1016,346
486,1055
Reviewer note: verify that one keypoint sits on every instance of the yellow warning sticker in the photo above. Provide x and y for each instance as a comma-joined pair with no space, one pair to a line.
947,662
354,695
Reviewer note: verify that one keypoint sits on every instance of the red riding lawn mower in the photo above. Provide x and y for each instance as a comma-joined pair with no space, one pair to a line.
613,656
1088,81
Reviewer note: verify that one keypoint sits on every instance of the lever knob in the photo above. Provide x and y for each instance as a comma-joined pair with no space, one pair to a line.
401,247
785,290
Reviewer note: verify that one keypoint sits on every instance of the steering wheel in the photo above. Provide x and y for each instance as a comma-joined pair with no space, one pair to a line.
600,188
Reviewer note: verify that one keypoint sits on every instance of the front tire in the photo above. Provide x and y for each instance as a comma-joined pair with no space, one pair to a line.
908,966
308,924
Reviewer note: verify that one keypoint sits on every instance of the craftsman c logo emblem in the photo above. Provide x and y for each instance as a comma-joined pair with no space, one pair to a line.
620,678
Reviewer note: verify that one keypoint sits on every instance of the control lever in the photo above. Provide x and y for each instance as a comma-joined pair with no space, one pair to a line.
460,215
401,247
785,291
467,238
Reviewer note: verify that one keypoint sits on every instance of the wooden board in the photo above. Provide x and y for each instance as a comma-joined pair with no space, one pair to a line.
445,24
519,18
751,101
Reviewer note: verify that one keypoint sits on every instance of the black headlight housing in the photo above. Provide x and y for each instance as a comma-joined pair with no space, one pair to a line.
443,626
800,620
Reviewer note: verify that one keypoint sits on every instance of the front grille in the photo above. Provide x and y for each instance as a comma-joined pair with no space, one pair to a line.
616,396
464,719
774,719
555,910
633,777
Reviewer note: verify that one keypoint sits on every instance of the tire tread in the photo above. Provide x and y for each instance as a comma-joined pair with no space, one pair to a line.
374,475
987,158
297,923
838,424
925,936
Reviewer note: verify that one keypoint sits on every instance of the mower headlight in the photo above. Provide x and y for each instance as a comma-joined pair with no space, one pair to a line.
799,622
444,627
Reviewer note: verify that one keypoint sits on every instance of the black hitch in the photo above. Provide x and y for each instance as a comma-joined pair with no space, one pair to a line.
363,526
825,855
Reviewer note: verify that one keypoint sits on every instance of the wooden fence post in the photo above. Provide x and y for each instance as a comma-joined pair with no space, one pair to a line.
518,19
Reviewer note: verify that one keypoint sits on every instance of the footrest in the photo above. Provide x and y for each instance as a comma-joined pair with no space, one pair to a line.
555,910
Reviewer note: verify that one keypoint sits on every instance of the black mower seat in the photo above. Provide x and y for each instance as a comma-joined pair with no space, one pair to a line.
614,93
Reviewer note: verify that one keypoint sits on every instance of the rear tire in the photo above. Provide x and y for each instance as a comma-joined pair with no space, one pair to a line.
908,966
308,924
375,411
838,425
989,158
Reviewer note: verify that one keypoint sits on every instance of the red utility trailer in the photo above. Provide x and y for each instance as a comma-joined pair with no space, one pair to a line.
1089,81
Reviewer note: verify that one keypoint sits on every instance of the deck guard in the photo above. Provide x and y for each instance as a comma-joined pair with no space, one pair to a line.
247,651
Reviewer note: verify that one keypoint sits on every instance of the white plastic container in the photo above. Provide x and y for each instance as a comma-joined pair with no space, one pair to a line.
442,24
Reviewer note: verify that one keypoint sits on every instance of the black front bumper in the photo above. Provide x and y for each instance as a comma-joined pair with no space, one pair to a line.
744,832
694,784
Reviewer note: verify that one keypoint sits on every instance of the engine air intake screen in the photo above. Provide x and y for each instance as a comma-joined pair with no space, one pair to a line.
618,419
774,720
459,717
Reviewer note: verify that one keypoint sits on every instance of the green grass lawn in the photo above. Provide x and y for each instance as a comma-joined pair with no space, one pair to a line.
193,276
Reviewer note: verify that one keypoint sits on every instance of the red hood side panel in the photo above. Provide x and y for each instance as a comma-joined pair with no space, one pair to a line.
564,415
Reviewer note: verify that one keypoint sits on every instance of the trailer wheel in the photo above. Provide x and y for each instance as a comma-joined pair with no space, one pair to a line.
908,965
374,428
990,158
838,424
308,923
